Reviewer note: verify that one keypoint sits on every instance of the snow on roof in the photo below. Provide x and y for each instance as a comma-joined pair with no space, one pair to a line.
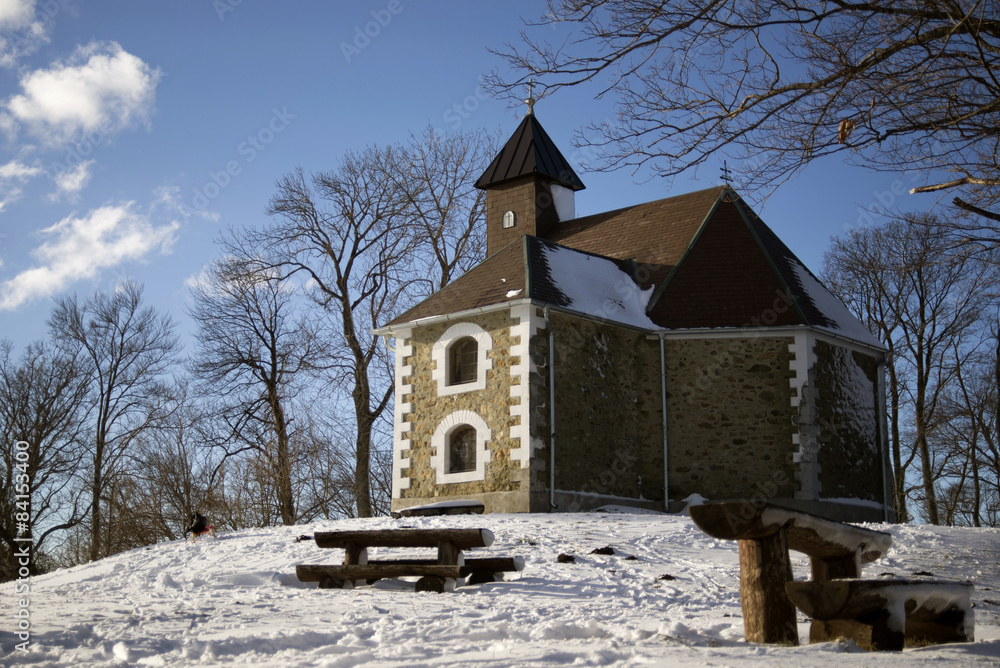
597,286
842,321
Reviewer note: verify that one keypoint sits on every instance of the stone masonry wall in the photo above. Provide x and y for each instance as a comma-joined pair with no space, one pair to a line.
730,430
847,423
492,405
608,411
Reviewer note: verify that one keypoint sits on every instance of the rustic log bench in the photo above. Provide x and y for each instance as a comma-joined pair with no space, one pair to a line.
885,614
868,612
434,574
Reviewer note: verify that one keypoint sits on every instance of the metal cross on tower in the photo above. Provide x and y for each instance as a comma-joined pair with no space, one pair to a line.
727,175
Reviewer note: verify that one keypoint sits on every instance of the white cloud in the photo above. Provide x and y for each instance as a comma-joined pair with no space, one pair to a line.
16,13
12,176
21,31
72,181
80,248
16,170
97,92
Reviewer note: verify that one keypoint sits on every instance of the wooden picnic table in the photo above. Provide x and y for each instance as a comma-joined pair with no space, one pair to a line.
449,565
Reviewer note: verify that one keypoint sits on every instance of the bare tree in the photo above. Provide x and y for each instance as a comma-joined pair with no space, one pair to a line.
384,227
925,301
893,85
125,351
436,174
973,408
344,230
253,345
41,413
173,468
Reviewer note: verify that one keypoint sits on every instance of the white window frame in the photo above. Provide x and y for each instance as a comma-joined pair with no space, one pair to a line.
440,353
440,442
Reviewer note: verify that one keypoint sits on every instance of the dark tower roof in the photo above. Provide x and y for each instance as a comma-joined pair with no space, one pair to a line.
529,151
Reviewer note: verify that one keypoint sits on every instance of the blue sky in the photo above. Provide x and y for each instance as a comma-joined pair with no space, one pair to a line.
133,133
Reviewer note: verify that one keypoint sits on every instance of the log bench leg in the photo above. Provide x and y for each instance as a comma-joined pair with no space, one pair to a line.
835,569
482,575
431,583
768,614
330,582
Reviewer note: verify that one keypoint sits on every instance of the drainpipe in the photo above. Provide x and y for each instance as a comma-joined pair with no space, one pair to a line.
552,411
883,436
663,392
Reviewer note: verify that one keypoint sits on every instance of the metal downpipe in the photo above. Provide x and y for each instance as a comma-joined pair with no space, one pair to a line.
552,411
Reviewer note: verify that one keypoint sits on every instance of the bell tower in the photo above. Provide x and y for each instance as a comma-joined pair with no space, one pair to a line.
530,186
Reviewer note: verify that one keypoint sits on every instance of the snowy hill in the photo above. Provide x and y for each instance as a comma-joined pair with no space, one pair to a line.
235,599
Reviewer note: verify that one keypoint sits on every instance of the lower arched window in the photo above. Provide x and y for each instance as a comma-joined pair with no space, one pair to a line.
462,450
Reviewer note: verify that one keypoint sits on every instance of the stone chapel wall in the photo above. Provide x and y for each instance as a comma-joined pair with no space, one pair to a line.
492,404
731,417
848,430
608,414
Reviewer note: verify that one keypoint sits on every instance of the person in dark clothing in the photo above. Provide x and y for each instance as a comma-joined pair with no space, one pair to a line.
198,526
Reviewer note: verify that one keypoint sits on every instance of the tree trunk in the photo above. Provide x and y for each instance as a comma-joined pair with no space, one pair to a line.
362,409
923,447
95,511
898,474
976,491
286,496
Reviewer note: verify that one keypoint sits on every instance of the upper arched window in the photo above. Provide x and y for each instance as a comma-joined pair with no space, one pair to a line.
460,359
463,356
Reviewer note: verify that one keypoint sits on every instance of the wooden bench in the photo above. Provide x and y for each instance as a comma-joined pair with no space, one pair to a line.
836,550
885,614
434,574
462,507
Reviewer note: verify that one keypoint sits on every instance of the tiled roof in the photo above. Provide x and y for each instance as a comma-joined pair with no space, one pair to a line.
529,151
655,234
713,261
724,280
500,278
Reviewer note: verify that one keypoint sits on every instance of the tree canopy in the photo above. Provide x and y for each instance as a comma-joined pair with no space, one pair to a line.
895,85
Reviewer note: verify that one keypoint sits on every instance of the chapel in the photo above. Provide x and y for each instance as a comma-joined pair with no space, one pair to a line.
642,357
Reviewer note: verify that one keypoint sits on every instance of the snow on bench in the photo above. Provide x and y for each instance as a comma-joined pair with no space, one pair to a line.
884,614
435,574
458,507
836,550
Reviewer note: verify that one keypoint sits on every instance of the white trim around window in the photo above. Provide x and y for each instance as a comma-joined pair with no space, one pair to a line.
439,441
439,353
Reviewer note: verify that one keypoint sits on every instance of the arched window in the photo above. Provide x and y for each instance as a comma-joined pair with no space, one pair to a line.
463,356
462,450
460,359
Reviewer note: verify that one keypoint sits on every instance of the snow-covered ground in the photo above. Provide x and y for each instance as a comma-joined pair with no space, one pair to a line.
236,599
